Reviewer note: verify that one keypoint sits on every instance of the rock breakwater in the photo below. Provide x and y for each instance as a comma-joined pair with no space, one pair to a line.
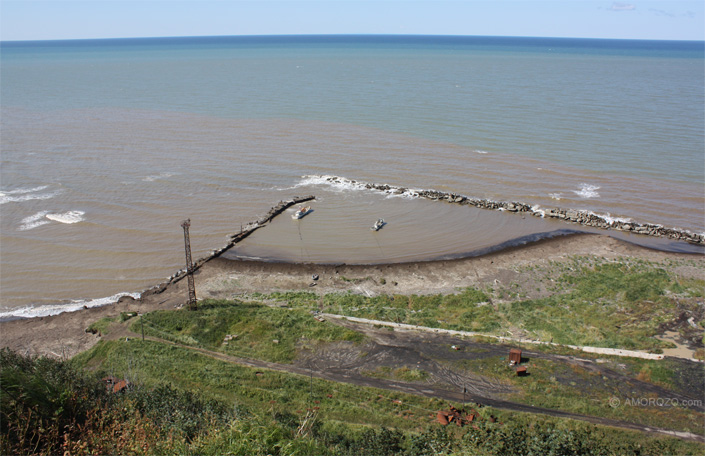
233,239
581,217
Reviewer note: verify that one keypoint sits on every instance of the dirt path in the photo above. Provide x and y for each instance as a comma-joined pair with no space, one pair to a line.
432,391
599,350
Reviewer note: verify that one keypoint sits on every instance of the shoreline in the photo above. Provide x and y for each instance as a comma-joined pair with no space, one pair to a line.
64,334
647,236
508,246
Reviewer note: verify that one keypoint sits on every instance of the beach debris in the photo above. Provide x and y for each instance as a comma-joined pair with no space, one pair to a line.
314,277
515,360
458,416
115,385
228,338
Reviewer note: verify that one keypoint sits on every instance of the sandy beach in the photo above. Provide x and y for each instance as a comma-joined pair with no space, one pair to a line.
64,335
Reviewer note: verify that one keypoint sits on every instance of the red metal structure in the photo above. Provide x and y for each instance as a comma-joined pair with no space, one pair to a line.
515,355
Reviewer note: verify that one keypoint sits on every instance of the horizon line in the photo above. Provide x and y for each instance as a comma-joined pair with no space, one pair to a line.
283,35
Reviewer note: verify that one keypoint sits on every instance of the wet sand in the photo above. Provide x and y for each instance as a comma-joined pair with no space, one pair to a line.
64,335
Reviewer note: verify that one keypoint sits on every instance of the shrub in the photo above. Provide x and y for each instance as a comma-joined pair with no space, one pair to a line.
41,401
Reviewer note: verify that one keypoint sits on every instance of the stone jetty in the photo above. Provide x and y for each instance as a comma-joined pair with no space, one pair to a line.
581,217
233,239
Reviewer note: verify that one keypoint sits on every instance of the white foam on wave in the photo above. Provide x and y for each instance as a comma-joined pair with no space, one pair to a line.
159,176
343,184
54,309
611,220
408,194
26,194
33,221
555,196
587,191
481,152
537,210
67,217
44,217
334,182
25,190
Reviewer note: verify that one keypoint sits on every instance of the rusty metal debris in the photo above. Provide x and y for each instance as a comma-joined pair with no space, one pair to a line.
458,416
115,385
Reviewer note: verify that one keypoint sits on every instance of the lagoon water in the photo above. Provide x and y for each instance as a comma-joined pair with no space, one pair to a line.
107,145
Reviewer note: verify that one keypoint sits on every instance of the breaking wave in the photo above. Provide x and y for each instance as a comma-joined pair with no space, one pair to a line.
67,217
334,182
45,217
26,194
342,184
587,191
54,309
611,220
159,176
33,221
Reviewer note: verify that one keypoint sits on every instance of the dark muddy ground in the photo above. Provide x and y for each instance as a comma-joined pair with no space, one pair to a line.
395,353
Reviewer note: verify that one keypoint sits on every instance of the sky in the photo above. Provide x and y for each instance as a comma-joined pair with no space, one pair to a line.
83,19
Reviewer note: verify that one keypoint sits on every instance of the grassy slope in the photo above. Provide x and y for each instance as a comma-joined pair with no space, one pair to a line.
553,384
589,302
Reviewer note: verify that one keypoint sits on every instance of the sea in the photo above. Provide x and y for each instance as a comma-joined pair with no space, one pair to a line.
108,145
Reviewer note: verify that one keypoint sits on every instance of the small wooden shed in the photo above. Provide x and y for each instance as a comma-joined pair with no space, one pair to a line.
515,355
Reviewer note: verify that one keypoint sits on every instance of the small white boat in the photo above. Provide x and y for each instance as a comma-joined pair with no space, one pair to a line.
300,212
378,225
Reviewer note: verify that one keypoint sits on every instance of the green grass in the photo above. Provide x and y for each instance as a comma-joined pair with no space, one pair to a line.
257,326
267,333
269,405
592,302
101,326
560,386
151,363
400,373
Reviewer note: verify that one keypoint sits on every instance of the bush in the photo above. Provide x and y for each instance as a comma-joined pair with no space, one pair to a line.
179,411
382,442
42,402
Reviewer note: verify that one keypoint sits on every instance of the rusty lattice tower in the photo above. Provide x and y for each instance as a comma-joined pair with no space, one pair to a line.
189,266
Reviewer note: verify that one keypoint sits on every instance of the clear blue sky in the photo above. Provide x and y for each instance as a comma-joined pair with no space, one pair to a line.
627,19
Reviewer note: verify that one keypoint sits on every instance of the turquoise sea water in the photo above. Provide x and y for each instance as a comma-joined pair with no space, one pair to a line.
108,144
